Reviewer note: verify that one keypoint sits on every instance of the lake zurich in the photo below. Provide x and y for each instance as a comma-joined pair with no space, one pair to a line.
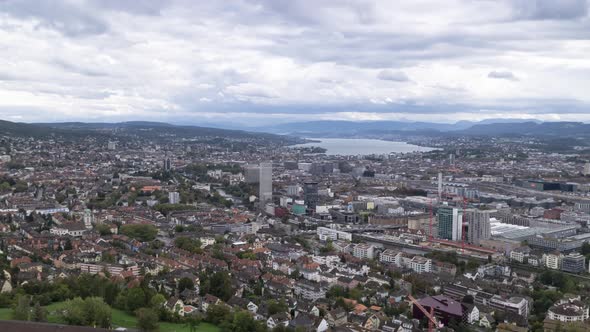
359,146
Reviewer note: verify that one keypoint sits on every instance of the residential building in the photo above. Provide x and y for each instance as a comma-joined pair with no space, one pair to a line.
173,197
363,250
478,225
553,260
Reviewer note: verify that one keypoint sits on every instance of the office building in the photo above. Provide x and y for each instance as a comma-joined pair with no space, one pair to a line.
251,174
112,145
310,193
478,225
293,190
265,185
574,263
173,197
586,171
450,223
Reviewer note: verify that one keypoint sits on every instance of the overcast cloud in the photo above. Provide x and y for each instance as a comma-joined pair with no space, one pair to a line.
261,61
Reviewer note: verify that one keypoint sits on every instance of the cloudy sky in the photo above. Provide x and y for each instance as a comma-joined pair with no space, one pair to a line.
255,62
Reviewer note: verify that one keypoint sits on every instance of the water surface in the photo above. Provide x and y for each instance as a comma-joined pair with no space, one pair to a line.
361,146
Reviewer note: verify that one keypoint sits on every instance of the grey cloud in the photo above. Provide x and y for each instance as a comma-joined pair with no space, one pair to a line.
391,75
503,75
551,9
62,16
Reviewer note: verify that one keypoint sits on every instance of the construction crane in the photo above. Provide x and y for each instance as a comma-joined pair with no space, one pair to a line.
430,230
432,321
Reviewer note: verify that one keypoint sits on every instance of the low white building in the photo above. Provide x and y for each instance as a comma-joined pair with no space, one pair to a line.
569,310
364,251
391,256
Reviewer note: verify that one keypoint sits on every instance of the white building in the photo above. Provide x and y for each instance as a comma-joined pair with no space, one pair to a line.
391,256
569,310
421,264
325,234
520,254
363,250
173,197
553,261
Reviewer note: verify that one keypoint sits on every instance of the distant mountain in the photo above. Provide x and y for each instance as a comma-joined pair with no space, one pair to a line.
360,128
561,129
135,128
23,129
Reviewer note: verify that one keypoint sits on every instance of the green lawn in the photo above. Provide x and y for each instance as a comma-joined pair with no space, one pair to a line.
5,313
120,318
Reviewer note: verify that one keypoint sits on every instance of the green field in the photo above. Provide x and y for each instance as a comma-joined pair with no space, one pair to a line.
120,318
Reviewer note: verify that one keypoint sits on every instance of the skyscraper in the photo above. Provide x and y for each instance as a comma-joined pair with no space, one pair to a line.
586,169
478,225
310,194
265,185
450,223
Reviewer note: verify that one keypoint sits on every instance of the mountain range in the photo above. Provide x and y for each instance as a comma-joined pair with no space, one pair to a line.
286,132
489,127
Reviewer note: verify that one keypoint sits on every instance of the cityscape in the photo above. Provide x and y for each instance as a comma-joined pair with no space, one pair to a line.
136,197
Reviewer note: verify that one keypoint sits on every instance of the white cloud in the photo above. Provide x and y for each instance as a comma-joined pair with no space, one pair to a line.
111,60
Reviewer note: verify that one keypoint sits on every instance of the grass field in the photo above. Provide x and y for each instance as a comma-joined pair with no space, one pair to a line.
120,319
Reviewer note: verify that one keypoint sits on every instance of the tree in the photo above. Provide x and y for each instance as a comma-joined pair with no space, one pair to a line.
22,309
188,244
103,229
135,299
243,322
39,313
68,244
91,311
193,321
275,307
157,301
147,320
217,314
185,283
140,232
220,285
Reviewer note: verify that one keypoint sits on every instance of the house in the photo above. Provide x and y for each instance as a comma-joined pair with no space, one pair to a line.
281,318
308,323
190,310
486,320
175,305
336,317
190,296
372,322
252,307
208,300
470,313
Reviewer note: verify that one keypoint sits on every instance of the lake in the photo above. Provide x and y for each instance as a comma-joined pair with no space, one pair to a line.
360,146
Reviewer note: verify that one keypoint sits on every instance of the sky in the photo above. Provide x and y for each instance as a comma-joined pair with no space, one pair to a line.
260,62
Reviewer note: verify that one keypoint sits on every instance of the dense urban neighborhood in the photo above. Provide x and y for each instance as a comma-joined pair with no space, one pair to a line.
116,229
